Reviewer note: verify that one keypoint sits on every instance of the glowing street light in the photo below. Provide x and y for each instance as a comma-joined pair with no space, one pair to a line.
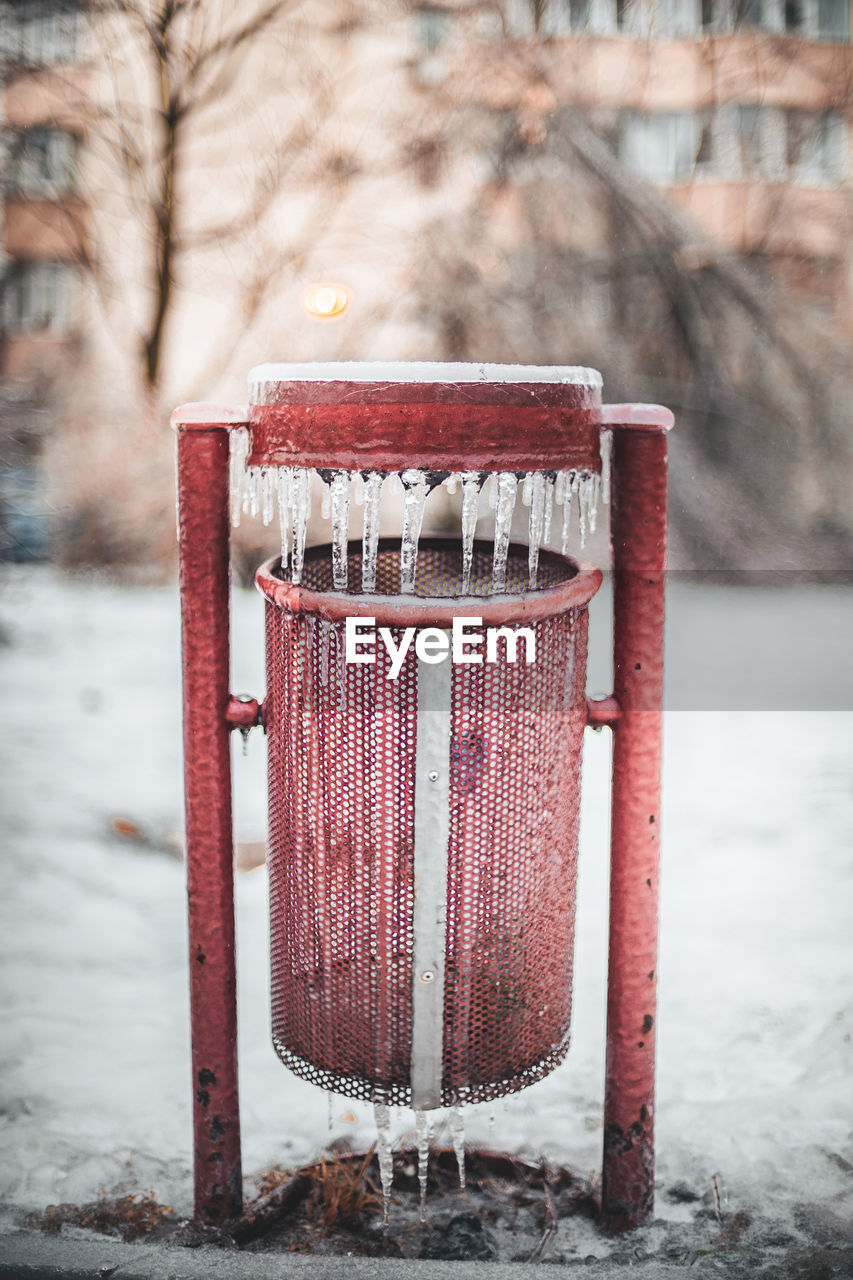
324,301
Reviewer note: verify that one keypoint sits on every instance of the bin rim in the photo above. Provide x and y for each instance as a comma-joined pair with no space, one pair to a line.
432,611
265,379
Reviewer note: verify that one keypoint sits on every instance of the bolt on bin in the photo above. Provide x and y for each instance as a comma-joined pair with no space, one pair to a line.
424,714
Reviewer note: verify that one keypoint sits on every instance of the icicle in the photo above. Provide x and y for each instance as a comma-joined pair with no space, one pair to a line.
282,481
606,462
382,1117
450,483
560,487
326,503
300,509
267,494
587,487
593,502
536,525
570,481
416,487
527,488
470,502
339,489
424,1132
252,492
370,536
457,1132
507,485
549,510
238,453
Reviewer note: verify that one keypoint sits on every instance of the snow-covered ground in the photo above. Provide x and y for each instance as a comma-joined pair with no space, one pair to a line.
756,1002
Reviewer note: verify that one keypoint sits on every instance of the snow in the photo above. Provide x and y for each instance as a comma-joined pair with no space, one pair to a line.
263,379
755,1017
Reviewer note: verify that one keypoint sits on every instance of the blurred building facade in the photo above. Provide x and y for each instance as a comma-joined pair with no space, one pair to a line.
42,247
735,112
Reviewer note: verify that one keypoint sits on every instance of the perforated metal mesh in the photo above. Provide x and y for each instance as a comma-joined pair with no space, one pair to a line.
342,743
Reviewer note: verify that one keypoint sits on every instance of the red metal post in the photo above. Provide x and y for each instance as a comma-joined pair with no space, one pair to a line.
203,467
638,539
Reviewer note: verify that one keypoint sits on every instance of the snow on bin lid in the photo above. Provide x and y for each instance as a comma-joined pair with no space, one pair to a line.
390,416
264,377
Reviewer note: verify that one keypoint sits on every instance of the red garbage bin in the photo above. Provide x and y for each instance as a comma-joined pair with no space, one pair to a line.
423,812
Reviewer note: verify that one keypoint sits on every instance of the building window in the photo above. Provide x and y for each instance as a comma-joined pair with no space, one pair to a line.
751,141
808,19
678,19
833,20
792,146
41,162
433,28
579,14
41,32
661,148
814,147
39,299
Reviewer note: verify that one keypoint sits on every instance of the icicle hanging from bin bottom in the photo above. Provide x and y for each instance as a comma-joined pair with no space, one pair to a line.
423,1127
457,1133
382,1116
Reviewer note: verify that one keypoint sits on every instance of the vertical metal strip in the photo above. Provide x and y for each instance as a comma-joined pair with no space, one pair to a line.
432,829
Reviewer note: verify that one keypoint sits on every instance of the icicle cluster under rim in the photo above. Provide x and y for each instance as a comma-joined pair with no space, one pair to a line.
256,491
